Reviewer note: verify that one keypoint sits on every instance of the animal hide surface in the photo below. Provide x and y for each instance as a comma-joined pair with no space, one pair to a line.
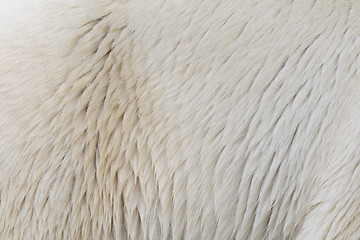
201,119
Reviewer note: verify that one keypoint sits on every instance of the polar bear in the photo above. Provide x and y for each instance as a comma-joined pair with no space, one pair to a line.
180,119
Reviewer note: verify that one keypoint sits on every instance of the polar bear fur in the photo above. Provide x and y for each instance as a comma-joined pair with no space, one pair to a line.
180,119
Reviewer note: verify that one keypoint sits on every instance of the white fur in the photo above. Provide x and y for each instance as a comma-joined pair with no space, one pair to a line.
201,119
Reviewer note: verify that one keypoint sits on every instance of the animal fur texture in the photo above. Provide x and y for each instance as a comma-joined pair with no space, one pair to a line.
201,119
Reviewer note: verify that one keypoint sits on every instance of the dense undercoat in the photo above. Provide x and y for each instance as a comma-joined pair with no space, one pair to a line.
179,119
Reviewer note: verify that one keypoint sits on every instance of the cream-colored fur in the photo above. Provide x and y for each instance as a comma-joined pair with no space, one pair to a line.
201,119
